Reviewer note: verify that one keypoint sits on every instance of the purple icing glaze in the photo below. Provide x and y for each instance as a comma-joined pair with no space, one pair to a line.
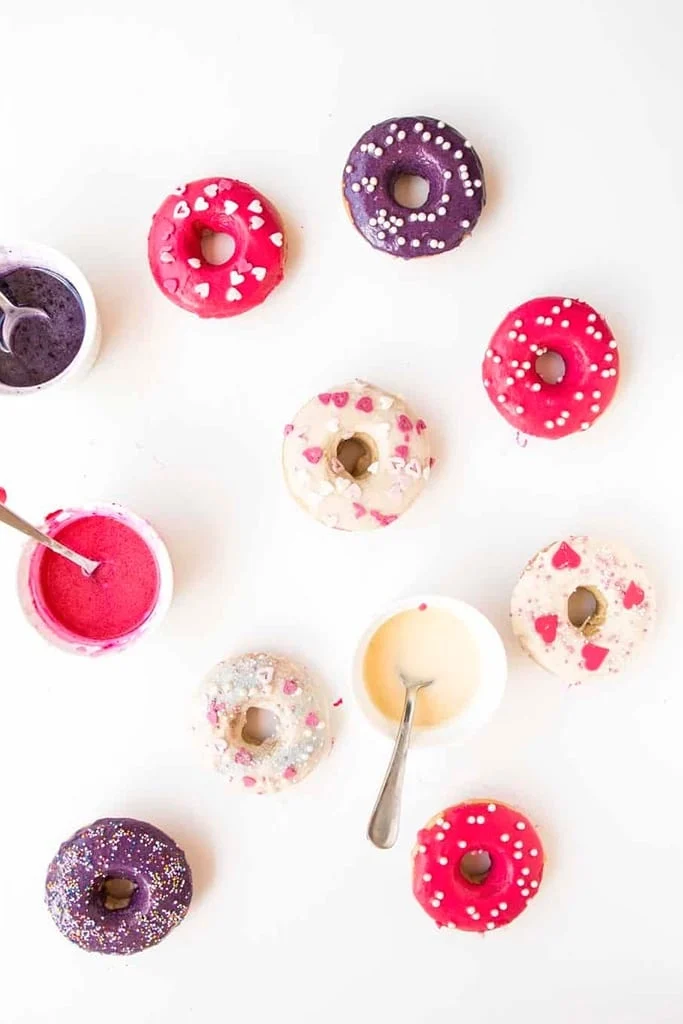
121,848
432,150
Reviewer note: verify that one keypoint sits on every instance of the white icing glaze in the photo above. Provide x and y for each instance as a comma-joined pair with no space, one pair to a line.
302,736
399,463
539,608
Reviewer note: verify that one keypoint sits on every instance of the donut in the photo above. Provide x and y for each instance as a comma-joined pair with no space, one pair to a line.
431,150
216,206
477,866
356,457
581,337
301,733
618,616
118,886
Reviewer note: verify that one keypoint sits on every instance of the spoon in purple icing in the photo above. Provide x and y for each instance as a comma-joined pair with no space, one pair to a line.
11,315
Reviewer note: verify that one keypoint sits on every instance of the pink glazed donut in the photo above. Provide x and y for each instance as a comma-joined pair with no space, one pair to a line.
577,333
477,866
216,206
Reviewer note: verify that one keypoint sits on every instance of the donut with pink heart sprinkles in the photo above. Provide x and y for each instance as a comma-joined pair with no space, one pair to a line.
220,206
582,608
580,384
356,457
250,758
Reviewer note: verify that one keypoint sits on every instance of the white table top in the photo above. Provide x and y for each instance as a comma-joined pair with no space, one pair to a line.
576,117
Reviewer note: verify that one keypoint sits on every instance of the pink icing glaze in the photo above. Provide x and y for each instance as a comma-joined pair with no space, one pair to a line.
515,875
581,337
222,206
113,602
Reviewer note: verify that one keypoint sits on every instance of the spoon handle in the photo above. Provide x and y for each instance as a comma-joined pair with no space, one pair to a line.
384,821
11,519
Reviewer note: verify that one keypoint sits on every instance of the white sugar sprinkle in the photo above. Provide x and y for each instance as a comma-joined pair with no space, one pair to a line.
518,844
491,808
520,825
505,837
443,861
426,878
471,820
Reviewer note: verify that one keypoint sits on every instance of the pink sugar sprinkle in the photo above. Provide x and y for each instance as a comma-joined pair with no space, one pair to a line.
289,427
338,703
420,426
365,404
243,756
212,716
290,687
249,781
312,720
402,451
289,772
422,607
3,495
404,424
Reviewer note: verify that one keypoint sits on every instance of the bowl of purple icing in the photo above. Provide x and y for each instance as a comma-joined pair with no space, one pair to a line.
59,343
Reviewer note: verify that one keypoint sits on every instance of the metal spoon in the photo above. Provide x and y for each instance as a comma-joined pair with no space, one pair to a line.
86,564
11,316
384,821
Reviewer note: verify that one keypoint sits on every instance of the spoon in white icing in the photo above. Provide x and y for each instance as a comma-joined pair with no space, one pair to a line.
87,565
386,815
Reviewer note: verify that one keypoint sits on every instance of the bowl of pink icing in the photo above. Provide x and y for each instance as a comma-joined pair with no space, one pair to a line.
128,593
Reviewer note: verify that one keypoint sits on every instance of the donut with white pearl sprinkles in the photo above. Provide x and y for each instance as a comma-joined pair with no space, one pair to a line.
477,866
425,148
356,457
552,367
216,206
582,608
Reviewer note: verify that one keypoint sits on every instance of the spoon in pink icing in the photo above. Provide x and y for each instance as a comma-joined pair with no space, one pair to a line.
87,565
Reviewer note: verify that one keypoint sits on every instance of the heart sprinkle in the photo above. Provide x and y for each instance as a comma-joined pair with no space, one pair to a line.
593,656
634,595
565,557
546,627
233,295
313,455
202,290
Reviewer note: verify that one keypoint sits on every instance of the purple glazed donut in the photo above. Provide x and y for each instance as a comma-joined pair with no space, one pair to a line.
428,149
118,886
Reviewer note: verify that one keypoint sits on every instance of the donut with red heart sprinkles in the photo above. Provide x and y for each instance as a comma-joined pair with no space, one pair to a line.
216,206
414,147
356,457
477,866
552,367
582,608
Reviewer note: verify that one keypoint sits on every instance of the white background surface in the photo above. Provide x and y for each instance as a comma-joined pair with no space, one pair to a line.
575,112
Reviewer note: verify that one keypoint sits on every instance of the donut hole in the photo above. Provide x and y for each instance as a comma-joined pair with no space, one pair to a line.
475,866
550,367
356,455
586,610
410,190
217,247
260,725
116,893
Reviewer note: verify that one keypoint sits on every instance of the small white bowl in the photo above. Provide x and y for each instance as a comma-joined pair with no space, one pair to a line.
42,257
486,696
53,631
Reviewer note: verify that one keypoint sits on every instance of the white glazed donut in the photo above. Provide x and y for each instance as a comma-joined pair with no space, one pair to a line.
623,610
356,457
264,681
